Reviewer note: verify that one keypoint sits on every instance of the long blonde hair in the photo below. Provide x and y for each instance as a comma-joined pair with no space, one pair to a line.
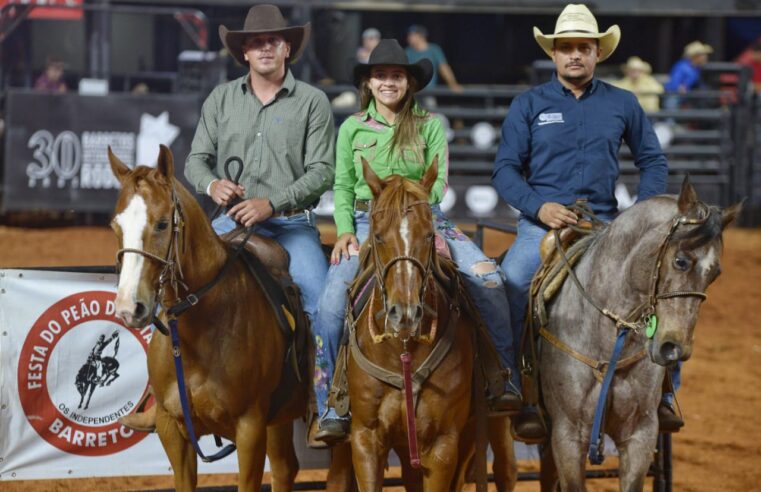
408,121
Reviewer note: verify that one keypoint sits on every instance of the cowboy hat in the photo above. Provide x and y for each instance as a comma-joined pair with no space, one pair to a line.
637,63
576,21
697,48
389,52
265,19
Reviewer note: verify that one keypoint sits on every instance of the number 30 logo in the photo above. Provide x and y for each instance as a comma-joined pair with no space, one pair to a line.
62,154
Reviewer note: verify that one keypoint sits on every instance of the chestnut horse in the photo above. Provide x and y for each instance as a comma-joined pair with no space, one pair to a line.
232,348
417,307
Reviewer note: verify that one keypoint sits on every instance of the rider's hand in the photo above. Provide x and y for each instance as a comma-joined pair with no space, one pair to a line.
251,211
345,245
222,191
556,215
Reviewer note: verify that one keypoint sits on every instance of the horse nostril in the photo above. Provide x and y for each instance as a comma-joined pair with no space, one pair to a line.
140,310
394,314
671,351
418,314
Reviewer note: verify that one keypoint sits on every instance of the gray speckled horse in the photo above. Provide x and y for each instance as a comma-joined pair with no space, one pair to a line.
619,273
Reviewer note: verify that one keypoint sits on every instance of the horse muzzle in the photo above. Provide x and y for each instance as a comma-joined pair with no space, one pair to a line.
133,312
404,319
668,352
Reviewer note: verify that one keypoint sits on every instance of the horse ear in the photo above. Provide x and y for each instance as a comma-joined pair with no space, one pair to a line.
429,178
120,169
166,162
729,214
372,179
688,197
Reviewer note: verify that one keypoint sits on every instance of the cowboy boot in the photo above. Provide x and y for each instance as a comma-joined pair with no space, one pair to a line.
508,403
528,426
668,420
141,420
333,430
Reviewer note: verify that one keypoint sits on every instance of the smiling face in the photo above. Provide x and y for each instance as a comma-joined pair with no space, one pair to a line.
389,85
575,59
266,53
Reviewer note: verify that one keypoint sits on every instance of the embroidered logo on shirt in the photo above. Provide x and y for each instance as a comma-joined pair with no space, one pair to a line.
549,118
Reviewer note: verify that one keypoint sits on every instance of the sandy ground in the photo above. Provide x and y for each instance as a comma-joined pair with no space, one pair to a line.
718,450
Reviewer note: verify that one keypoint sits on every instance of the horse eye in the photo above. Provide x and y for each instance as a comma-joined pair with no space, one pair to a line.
162,225
681,263
378,239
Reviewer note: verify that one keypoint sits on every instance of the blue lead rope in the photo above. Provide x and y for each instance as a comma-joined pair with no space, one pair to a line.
596,442
184,399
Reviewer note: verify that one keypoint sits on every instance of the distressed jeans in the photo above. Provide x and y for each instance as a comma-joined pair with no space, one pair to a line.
482,277
520,264
299,236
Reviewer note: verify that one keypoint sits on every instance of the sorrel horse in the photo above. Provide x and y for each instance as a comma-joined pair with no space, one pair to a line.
417,307
656,258
232,347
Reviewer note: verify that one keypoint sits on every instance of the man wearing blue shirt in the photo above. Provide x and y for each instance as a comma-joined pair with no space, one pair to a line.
419,48
685,74
560,143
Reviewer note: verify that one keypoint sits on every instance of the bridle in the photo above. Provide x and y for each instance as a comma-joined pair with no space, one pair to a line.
383,268
171,269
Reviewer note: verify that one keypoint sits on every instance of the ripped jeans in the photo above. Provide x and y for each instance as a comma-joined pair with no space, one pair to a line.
483,280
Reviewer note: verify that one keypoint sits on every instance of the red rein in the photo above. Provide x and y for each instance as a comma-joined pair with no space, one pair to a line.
411,430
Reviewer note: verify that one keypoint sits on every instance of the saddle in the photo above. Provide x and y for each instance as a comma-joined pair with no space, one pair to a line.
446,275
268,262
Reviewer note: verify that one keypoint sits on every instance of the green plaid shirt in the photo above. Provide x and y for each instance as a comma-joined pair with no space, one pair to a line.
287,146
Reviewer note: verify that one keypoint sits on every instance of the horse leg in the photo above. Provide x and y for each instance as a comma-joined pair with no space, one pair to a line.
341,473
636,455
282,456
504,466
548,475
368,452
440,463
181,455
568,453
251,439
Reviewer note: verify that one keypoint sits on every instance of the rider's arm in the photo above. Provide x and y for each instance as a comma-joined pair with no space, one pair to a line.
648,156
436,145
346,179
202,160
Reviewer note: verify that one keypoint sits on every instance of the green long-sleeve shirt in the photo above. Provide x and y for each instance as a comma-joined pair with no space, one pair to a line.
367,134
287,145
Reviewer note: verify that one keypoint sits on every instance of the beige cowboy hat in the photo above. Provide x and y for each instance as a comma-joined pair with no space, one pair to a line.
697,48
637,63
577,21
265,19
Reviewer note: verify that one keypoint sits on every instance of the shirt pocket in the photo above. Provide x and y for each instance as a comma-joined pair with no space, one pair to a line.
364,147
413,164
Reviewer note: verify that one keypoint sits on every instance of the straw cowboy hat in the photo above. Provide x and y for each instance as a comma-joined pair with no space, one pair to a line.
637,63
697,48
576,21
265,19
390,52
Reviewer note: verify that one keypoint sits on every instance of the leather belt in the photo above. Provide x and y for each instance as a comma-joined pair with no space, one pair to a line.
362,205
289,213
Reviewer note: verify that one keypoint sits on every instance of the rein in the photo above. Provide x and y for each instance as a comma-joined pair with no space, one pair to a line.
642,316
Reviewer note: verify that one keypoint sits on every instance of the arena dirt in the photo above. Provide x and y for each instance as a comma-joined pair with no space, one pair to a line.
718,450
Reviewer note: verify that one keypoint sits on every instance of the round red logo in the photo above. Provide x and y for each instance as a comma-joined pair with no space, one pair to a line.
76,375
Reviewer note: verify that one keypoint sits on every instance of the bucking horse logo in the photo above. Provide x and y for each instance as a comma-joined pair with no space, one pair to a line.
98,370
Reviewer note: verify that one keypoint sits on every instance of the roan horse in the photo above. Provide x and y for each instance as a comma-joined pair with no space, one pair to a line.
231,345
417,306
658,256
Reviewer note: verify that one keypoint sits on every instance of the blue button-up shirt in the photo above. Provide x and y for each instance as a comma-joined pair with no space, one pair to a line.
556,148
683,73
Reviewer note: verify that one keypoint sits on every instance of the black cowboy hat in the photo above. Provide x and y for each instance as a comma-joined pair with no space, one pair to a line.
389,52
265,19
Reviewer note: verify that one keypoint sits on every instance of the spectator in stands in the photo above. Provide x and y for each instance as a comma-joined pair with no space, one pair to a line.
637,79
406,141
283,129
685,74
51,79
539,172
370,39
751,58
419,48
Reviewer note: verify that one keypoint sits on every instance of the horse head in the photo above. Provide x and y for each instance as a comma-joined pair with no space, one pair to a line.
402,244
145,217
688,261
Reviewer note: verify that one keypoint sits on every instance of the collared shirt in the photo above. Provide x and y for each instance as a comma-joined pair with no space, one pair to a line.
287,145
367,134
556,148
683,73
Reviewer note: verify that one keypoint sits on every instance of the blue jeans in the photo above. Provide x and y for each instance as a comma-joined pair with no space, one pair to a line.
486,289
520,264
301,239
